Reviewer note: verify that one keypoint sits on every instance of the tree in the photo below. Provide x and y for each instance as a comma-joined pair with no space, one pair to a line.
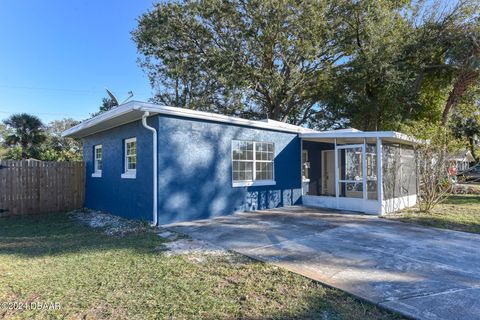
369,90
251,58
3,133
58,148
463,59
107,104
403,60
374,65
433,166
433,158
465,124
27,133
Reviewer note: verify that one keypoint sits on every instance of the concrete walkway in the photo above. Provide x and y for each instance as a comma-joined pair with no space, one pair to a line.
423,273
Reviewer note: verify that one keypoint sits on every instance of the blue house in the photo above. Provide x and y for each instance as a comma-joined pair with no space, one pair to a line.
168,164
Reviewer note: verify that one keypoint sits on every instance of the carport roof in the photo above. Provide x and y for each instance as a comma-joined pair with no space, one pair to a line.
387,136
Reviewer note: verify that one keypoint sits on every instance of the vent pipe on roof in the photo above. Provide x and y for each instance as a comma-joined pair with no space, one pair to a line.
155,166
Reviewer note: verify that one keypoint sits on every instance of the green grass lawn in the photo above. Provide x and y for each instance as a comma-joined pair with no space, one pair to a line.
55,259
458,212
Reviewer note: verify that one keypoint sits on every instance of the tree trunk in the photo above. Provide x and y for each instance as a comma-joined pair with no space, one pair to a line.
471,141
464,81
24,150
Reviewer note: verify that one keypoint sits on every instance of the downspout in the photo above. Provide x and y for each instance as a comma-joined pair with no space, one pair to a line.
155,176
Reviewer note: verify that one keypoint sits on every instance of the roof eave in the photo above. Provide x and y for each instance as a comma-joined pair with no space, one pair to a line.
113,118
87,127
400,137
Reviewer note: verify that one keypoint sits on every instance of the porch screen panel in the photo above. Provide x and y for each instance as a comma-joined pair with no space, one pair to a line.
371,158
409,171
399,171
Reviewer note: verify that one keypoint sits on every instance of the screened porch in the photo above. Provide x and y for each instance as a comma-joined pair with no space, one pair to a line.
370,172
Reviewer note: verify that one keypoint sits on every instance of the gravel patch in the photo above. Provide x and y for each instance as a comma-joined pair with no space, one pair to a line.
192,247
166,234
177,244
110,224
194,250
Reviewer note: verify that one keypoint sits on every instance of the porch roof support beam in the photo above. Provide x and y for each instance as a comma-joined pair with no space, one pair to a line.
337,190
379,175
364,170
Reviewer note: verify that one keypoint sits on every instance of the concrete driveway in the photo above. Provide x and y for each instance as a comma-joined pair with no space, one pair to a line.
423,273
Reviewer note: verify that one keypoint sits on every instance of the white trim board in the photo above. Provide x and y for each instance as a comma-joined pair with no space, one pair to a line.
360,205
341,203
133,111
336,134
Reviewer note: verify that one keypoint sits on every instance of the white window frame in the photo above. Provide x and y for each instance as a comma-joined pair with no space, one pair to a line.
363,181
129,173
96,172
254,182
353,146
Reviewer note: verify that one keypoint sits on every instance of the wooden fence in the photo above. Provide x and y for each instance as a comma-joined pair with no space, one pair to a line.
33,187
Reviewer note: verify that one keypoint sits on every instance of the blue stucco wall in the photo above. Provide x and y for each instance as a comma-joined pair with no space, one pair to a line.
194,171
131,198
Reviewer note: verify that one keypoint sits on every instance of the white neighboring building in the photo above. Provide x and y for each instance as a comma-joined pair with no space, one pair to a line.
462,160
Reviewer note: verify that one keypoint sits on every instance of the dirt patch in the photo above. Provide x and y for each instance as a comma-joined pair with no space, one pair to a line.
110,224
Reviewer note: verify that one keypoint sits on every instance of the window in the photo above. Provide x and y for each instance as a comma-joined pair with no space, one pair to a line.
130,150
252,163
97,161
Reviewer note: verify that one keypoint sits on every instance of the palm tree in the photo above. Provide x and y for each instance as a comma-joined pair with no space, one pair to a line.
26,131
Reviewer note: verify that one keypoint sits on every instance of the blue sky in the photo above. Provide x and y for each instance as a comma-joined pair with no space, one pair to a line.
57,56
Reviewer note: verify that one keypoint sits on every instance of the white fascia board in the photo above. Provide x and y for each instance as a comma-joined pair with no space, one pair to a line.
194,114
136,108
286,125
116,112
362,134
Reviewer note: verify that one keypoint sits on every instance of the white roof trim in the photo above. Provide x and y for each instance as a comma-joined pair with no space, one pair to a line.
133,110
346,130
397,136
286,125
189,113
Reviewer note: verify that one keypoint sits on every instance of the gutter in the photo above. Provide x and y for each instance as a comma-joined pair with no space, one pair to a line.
155,166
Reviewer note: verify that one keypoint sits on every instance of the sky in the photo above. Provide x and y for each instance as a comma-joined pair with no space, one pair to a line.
57,56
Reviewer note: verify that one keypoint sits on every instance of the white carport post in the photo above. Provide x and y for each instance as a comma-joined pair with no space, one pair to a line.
379,176
364,175
337,190
301,166
364,171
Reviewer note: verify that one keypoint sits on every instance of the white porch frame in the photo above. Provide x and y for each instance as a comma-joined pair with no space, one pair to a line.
378,206
365,204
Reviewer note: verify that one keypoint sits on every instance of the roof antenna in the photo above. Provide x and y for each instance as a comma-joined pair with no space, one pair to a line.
115,100
130,96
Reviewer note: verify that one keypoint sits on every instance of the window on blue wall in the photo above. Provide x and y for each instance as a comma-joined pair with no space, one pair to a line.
130,151
97,161
252,163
